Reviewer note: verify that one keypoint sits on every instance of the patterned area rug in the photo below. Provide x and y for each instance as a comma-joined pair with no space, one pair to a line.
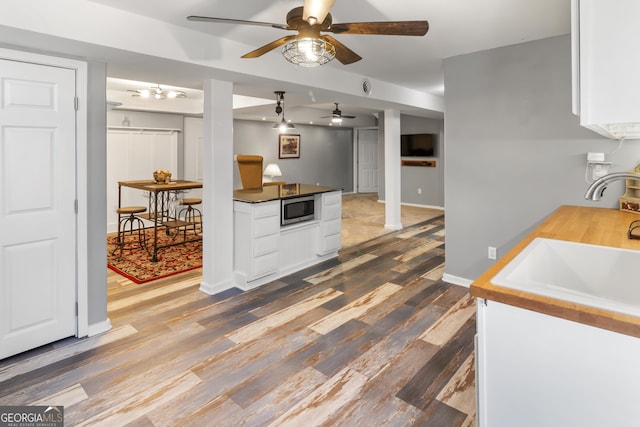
135,263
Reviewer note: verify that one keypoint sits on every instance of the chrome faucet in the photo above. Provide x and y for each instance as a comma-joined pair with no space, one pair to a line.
596,189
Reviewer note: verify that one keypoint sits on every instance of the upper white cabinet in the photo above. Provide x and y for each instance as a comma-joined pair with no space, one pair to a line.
606,66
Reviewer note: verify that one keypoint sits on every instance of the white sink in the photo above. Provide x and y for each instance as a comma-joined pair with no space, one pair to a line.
596,276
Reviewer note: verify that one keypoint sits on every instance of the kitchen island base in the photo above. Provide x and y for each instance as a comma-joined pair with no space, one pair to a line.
265,250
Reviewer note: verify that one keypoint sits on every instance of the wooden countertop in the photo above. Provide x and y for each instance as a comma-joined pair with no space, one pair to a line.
597,226
151,185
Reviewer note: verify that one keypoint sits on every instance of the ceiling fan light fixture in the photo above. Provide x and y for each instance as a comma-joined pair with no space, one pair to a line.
309,52
158,93
314,11
336,120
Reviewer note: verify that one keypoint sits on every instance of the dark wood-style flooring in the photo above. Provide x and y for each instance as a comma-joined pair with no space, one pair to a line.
372,338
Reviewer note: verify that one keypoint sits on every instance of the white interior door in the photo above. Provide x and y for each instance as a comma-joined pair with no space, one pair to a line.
37,206
367,161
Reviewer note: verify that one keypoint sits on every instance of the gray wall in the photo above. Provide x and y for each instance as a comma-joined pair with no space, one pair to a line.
96,200
514,150
429,179
326,153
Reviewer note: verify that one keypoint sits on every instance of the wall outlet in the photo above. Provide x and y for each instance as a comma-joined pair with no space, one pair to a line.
599,170
492,252
419,190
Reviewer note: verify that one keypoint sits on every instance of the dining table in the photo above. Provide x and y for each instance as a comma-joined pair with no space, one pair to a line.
163,208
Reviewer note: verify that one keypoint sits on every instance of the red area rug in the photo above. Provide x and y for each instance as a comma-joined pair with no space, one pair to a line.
135,263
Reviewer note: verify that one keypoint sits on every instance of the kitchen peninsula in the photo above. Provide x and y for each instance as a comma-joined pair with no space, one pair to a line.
269,244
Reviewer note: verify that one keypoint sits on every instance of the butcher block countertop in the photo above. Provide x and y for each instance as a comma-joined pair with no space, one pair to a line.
597,226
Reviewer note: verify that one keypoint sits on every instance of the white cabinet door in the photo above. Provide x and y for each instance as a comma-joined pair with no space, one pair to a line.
606,64
37,199
538,370
367,161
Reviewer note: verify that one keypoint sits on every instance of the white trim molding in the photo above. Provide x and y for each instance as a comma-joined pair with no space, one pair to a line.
455,280
99,328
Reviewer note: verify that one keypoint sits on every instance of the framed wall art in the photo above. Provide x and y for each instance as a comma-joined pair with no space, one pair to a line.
288,146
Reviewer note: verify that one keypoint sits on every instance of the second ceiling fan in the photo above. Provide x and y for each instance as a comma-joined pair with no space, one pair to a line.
337,116
312,19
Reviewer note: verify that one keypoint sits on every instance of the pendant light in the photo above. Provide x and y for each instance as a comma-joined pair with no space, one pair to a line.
282,125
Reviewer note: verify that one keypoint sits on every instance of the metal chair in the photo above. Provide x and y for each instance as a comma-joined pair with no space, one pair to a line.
191,215
126,220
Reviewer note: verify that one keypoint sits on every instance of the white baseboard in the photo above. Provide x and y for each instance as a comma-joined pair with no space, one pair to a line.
455,280
394,227
440,208
212,289
99,328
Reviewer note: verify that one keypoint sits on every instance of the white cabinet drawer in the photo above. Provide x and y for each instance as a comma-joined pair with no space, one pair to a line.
333,198
266,226
268,209
264,265
331,227
330,243
265,245
332,212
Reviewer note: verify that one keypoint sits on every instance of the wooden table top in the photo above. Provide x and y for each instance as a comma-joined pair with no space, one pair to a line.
151,185
597,226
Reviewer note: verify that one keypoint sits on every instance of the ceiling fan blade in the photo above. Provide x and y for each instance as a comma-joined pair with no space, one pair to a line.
343,53
268,47
389,28
316,10
345,116
237,22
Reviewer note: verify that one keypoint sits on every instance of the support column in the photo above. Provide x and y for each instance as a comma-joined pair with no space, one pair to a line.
392,177
217,191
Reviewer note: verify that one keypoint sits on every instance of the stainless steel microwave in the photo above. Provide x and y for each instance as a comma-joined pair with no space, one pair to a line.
297,209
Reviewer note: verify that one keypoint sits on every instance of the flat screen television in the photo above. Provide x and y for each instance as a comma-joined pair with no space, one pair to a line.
418,145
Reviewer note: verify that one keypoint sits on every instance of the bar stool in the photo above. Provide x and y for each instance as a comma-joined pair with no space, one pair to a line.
191,215
127,218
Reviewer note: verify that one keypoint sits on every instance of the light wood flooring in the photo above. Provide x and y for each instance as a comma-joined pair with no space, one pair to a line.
363,217
372,338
